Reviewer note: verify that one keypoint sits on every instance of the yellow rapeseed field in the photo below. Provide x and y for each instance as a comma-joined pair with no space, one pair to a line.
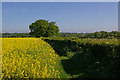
29,58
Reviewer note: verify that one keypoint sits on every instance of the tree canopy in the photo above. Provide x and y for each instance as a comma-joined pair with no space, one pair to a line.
43,28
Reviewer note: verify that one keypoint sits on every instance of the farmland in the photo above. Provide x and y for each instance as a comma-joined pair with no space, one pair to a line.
52,58
60,40
30,58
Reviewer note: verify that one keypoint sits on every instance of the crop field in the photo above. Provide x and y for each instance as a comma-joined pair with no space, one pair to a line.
60,41
52,58
30,58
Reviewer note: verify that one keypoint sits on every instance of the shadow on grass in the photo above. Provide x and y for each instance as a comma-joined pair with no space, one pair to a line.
62,46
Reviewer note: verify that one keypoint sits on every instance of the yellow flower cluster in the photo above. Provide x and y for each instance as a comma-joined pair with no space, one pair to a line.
28,58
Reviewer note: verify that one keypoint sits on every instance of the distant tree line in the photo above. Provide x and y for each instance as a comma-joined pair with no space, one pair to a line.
11,35
101,34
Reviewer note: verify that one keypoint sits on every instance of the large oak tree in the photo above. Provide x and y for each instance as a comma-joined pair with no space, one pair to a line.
43,28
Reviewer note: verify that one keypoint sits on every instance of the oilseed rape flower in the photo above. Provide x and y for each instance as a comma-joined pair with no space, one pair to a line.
30,58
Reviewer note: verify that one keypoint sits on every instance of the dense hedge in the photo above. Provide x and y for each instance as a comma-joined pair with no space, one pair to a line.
89,58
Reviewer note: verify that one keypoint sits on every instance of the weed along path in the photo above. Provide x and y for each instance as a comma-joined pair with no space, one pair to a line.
88,58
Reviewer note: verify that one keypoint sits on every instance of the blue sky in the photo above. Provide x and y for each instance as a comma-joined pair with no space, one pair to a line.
60,0
69,16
